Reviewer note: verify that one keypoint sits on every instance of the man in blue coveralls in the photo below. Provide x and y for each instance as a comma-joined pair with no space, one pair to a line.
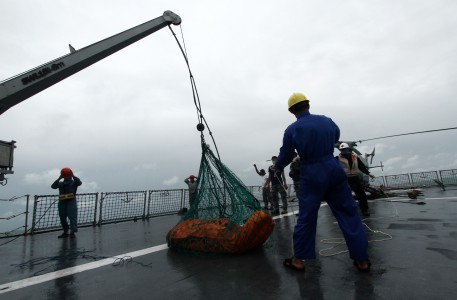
321,178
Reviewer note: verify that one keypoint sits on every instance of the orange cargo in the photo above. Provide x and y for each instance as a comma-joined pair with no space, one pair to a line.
221,235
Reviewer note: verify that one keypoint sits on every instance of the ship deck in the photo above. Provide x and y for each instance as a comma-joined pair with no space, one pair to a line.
413,251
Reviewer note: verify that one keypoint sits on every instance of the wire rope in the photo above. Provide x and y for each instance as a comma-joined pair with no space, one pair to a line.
410,133
195,95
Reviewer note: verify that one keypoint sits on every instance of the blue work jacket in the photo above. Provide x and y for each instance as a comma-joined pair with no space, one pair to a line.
314,138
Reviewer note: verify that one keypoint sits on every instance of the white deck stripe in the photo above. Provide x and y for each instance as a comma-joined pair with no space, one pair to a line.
7,287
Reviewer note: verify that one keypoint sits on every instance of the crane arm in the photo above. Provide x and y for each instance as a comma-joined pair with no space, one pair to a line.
22,86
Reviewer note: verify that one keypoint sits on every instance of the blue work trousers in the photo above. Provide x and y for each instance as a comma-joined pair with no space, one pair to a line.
327,181
68,209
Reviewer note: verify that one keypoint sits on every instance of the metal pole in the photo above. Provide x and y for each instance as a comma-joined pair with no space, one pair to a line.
26,214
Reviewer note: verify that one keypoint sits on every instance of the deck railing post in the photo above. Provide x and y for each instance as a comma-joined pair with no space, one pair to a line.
95,210
34,214
100,214
144,205
26,214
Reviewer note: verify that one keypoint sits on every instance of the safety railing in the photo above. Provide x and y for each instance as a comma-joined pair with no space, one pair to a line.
163,202
418,179
102,208
122,206
13,213
448,177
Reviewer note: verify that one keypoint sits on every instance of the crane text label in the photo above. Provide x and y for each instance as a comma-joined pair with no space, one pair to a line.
43,72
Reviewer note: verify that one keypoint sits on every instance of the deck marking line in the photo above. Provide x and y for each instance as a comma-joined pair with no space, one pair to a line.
11,286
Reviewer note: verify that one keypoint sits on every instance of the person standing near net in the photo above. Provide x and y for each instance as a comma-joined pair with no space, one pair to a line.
67,206
352,165
321,178
294,173
191,182
265,188
278,185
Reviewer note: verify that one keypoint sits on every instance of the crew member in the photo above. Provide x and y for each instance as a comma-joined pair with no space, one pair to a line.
278,185
67,206
352,165
191,182
321,178
265,188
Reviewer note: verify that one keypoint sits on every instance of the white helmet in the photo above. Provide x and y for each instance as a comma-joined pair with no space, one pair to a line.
343,146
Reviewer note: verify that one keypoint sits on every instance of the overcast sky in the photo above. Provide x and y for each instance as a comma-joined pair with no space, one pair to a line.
128,122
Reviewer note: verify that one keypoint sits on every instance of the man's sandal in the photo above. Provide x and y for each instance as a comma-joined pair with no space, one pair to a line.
288,264
366,269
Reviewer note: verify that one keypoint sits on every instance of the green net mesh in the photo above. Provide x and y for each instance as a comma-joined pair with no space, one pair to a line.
224,218
223,196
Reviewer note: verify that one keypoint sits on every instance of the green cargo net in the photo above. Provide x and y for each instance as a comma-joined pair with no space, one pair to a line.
220,194
224,217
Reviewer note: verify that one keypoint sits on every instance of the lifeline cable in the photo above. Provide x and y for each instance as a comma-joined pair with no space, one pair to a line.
72,255
13,198
35,223
410,133
340,241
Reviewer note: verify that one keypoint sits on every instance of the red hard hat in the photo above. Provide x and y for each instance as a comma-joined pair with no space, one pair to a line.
192,177
66,173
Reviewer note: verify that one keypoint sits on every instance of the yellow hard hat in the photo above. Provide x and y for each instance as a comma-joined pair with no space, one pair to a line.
296,98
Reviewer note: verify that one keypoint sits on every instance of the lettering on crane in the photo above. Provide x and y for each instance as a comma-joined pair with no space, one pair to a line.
43,72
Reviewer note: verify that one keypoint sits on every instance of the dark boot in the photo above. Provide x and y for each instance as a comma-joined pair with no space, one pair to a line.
63,235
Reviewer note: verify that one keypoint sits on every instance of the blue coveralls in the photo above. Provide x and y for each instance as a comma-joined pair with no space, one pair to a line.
321,178
68,206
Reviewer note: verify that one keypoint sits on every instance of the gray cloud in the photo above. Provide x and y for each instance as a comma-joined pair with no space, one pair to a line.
128,122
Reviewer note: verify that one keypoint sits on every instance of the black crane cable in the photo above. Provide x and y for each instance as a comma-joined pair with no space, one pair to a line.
201,118
417,132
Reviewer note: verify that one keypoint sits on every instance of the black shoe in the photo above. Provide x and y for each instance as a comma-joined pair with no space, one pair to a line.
365,213
182,211
72,235
275,212
284,211
358,264
63,235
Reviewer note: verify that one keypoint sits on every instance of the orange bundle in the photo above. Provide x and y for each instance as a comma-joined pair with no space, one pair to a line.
221,235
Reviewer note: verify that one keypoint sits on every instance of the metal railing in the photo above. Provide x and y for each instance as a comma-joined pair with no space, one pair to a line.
46,212
103,208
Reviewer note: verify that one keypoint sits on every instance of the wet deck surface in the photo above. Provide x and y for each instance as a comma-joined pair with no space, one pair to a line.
419,261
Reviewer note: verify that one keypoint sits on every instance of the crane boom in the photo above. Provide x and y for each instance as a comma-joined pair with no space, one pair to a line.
23,86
